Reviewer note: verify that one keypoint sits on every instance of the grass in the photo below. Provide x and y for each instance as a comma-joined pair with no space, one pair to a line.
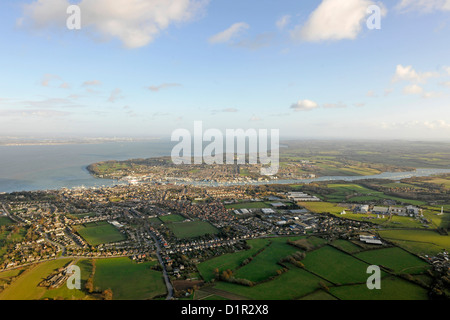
66,293
128,280
99,233
172,218
248,205
391,289
264,265
192,229
293,284
418,241
26,286
229,261
396,259
319,295
336,266
346,246
5,221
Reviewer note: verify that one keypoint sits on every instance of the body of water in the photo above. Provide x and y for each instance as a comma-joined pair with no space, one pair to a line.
29,168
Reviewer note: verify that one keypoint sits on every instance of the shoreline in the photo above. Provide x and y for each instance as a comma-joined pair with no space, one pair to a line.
394,176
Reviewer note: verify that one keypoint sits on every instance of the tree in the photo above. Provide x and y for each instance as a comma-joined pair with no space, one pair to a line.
107,294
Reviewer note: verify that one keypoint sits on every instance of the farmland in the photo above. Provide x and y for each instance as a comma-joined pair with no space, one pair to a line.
98,233
418,241
26,286
230,261
391,289
171,218
395,259
192,229
128,280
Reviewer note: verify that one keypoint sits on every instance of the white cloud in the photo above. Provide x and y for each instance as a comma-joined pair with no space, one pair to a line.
92,83
409,74
135,23
447,69
413,89
226,35
163,86
371,94
115,95
304,105
424,5
335,20
283,22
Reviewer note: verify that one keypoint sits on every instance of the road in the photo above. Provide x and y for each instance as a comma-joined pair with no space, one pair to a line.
169,286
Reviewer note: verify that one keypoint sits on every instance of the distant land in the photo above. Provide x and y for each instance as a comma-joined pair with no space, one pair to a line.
298,160
30,141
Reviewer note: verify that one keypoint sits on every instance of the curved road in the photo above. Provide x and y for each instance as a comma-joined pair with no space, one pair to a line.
166,276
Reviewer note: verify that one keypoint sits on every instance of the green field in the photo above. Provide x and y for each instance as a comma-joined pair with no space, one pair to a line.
248,205
172,218
395,259
336,266
5,221
26,286
293,284
319,295
128,280
391,289
418,241
264,265
346,246
99,233
229,261
192,229
66,293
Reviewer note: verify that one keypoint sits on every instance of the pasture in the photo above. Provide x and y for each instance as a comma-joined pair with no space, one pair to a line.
99,233
192,229
128,280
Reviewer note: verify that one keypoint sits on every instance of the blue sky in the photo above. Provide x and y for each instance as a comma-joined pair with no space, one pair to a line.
147,67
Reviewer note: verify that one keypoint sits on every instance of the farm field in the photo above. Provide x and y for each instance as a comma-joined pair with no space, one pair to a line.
248,205
26,286
293,284
346,246
357,193
396,259
66,293
192,229
4,221
335,266
264,265
172,218
230,261
128,280
319,295
391,289
418,241
99,233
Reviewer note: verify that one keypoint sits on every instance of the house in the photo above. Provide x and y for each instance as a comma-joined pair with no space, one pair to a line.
397,211
364,209
380,210
411,210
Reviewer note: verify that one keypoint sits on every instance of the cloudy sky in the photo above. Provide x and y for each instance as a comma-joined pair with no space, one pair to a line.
311,68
